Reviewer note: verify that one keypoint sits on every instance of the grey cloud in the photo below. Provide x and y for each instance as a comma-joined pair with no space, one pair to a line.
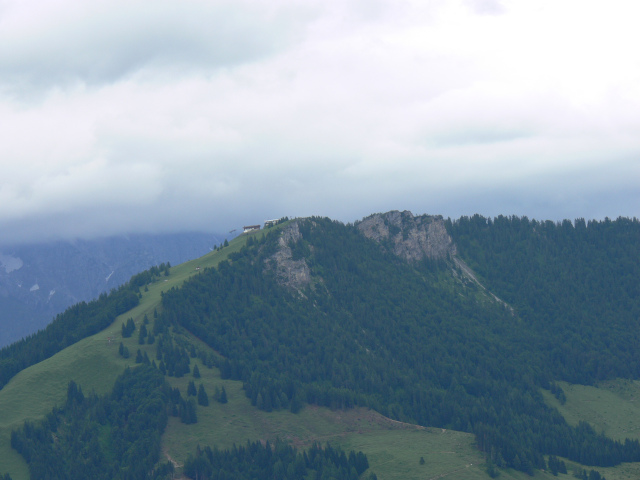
476,136
104,45
486,7
228,118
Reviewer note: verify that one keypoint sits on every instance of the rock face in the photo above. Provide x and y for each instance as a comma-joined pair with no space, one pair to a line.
413,238
291,273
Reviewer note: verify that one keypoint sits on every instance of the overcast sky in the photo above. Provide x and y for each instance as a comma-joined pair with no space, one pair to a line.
131,116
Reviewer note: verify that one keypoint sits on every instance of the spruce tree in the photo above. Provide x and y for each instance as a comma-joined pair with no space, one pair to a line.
196,371
203,399
191,389
223,396
142,335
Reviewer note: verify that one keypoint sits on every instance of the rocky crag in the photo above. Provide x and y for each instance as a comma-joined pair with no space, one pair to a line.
413,238
291,273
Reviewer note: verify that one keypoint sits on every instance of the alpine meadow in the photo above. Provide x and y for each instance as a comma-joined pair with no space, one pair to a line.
399,346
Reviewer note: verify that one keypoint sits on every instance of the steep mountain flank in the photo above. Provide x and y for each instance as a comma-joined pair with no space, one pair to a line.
413,238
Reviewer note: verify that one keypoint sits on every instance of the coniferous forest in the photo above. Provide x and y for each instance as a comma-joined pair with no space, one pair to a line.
418,341
112,437
255,461
414,343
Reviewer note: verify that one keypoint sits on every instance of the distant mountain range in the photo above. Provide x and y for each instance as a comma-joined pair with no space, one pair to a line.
39,281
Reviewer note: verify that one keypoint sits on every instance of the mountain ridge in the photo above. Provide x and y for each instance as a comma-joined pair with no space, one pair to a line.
417,340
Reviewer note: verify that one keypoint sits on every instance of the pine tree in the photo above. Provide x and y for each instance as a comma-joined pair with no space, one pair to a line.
196,371
129,328
74,393
191,389
223,396
188,412
203,399
142,335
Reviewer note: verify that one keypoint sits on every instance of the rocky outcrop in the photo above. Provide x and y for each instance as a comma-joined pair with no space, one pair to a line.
413,238
291,273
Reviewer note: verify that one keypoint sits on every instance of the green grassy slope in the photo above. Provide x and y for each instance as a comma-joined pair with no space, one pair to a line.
94,363
612,407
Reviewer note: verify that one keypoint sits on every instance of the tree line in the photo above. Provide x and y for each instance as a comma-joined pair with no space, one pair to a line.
257,461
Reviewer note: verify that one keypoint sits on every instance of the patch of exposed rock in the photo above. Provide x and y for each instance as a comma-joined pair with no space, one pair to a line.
289,272
410,237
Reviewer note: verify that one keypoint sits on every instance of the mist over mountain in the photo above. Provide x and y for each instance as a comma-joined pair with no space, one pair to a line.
39,281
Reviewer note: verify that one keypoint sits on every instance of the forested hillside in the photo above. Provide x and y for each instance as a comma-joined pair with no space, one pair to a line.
454,324
321,314
576,286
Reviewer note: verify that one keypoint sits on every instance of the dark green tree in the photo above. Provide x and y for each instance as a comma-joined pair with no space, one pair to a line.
191,389
129,328
203,398
223,395
142,335
188,412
